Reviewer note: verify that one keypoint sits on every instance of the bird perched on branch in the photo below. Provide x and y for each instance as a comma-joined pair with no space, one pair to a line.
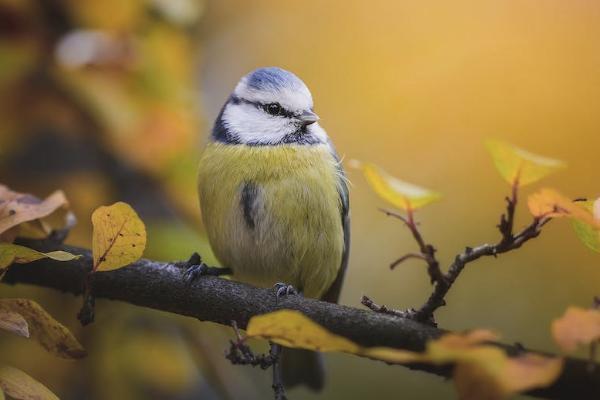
274,198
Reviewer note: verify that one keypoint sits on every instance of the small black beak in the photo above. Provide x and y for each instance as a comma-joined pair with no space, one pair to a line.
308,117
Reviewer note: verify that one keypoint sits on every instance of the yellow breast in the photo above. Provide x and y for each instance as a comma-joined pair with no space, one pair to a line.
295,235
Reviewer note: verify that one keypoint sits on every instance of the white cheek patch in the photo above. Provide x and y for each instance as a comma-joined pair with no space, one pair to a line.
251,124
318,132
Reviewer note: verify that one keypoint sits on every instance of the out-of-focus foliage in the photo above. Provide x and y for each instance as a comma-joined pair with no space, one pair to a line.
550,203
20,386
12,253
481,371
119,236
576,327
589,234
400,194
25,215
518,166
13,322
51,334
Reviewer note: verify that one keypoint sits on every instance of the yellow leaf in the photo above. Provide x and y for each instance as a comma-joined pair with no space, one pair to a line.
14,322
119,236
452,346
589,234
576,327
518,166
1,395
18,208
400,194
552,204
482,371
12,253
293,329
18,385
391,355
50,333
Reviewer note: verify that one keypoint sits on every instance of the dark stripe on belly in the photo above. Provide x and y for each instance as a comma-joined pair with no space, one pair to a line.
248,199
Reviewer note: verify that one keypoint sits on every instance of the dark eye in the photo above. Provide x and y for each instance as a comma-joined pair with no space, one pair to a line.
273,109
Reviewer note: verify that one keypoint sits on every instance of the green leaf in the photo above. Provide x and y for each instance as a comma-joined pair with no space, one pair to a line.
589,234
518,166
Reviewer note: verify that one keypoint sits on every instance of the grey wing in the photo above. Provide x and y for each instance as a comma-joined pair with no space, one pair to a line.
333,293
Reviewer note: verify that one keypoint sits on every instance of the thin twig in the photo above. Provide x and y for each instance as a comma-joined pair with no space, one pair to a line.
278,389
406,257
427,251
240,354
367,302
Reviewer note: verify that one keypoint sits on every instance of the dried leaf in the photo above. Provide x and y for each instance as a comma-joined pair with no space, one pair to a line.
13,322
518,166
12,253
119,236
1,395
576,327
401,194
17,208
589,234
552,204
20,386
51,334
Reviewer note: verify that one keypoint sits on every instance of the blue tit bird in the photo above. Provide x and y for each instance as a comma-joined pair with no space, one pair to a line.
274,197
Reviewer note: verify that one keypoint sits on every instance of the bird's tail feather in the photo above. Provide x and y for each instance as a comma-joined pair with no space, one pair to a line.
302,367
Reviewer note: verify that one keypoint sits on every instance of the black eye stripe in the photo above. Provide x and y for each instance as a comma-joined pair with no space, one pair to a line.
263,106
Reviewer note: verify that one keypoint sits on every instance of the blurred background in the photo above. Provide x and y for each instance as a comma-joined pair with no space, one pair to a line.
112,100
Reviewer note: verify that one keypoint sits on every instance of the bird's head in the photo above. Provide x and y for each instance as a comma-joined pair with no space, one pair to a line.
269,106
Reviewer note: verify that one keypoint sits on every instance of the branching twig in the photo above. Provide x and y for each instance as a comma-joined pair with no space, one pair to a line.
240,354
443,282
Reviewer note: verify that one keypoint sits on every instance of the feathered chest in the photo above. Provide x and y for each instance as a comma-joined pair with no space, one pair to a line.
272,211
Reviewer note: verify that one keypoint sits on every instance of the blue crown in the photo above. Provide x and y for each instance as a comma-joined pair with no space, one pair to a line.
272,78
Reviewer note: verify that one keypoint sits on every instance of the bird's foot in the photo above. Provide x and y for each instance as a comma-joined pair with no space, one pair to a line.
195,268
283,290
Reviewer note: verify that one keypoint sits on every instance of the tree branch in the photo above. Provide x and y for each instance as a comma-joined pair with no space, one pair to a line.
161,286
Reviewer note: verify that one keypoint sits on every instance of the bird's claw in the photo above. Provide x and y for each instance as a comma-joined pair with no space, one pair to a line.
194,268
283,290
195,271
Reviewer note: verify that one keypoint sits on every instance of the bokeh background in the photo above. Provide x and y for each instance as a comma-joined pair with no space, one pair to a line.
112,100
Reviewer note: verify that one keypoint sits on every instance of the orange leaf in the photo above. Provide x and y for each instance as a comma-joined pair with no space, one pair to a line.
550,203
576,327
